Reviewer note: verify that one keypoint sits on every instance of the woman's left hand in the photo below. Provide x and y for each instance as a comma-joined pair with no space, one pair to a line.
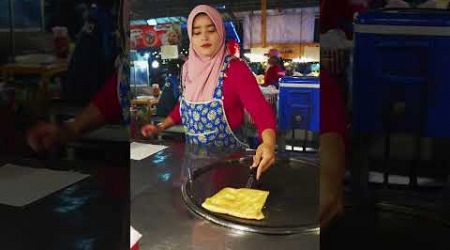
264,158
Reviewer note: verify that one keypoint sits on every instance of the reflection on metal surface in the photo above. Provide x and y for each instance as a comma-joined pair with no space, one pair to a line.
85,244
164,176
70,200
159,157
290,209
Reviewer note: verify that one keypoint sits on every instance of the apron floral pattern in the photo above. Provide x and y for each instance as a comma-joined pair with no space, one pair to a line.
205,123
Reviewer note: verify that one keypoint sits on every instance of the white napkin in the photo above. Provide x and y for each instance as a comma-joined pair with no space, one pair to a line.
20,185
139,151
134,236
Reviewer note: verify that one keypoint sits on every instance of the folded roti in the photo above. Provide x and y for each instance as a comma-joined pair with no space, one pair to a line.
244,203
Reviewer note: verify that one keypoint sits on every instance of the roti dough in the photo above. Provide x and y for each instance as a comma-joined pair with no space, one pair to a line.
244,203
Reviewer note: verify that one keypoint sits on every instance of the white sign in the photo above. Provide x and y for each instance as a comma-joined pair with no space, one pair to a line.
169,52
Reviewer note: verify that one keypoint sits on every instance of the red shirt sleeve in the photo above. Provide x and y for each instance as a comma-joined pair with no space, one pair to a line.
241,91
175,114
333,118
107,100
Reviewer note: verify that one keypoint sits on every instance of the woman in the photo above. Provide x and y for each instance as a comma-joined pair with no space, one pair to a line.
216,89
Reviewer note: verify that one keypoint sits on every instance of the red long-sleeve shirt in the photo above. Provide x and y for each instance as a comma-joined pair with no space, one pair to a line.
241,91
333,118
107,100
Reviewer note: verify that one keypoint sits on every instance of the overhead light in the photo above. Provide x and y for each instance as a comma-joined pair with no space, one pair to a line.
221,6
155,64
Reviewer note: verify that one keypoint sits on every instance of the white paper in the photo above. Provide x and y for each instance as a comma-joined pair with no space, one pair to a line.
134,237
21,185
169,52
139,151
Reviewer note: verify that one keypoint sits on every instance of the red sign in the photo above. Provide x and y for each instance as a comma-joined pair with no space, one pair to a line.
145,36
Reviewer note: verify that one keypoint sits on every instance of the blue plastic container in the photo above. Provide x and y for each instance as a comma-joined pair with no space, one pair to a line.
402,71
298,103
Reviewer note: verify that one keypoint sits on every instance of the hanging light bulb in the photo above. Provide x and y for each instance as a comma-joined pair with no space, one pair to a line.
155,64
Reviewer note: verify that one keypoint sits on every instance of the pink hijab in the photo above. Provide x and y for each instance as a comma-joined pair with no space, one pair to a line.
200,74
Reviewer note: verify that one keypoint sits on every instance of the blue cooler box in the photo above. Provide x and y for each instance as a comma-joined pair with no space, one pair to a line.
298,103
402,65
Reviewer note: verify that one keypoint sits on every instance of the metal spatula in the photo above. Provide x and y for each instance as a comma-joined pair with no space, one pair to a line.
251,181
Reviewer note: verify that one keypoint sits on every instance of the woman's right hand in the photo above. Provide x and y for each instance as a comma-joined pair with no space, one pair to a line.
45,136
150,129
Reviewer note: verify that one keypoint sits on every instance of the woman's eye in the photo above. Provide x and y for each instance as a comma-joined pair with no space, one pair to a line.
196,33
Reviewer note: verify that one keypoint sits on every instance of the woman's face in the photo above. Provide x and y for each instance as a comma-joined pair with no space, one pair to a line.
205,38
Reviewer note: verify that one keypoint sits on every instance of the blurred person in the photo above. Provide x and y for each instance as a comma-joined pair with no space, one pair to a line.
274,72
92,61
332,149
170,90
333,116
111,104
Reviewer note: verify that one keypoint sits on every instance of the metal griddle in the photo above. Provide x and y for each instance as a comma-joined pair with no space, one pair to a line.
292,205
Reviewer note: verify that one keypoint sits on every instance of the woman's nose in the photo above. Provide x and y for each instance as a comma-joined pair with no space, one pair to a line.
205,36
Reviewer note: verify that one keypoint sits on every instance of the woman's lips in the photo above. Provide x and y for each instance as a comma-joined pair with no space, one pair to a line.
206,45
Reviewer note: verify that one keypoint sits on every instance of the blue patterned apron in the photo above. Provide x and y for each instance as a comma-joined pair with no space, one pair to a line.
205,123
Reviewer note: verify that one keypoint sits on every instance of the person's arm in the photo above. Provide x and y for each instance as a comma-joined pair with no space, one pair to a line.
89,119
107,101
103,108
332,149
260,111
172,119
166,123
332,170
245,85
265,154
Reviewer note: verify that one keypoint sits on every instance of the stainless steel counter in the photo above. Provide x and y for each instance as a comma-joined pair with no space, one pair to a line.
160,215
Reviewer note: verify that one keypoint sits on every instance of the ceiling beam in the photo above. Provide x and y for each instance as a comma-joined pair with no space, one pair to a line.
144,9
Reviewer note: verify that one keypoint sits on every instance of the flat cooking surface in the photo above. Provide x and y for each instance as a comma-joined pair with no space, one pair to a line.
160,214
292,205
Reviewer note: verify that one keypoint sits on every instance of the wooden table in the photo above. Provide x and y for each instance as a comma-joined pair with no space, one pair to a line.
45,71
39,100
145,101
149,103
